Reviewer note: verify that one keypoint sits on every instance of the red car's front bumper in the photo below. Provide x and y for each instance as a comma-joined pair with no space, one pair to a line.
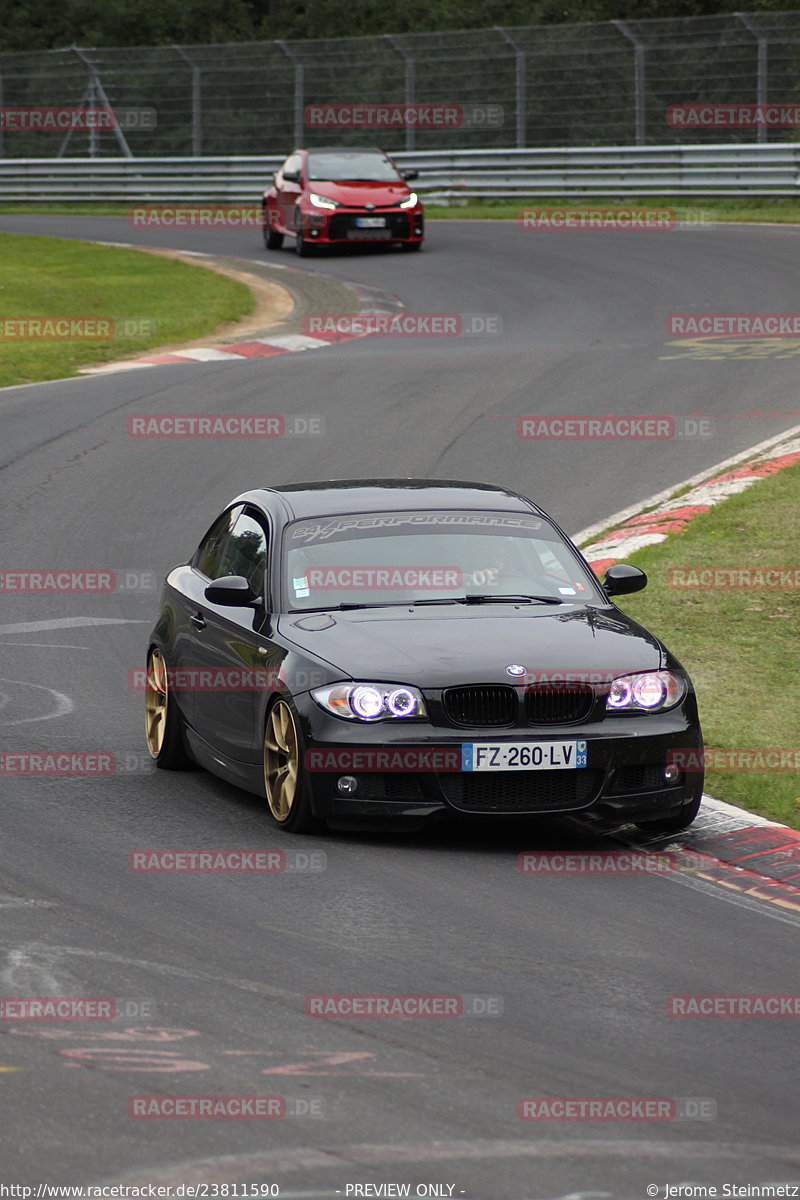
347,225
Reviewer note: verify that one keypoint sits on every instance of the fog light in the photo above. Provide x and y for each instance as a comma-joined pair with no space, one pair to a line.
672,773
347,785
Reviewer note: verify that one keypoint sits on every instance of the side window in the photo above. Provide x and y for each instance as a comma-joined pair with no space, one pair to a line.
246,552
209,553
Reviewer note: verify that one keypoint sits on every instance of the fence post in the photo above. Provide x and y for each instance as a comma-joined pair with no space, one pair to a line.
762,45
299,94
197,101
638,80
520,100
410,84
94,91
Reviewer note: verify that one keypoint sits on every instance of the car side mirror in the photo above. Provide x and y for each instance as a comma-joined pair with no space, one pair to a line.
411,174
291,176
231,591
622,579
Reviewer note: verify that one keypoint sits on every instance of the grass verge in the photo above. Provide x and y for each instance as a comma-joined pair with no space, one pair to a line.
147,300
711,208
740,645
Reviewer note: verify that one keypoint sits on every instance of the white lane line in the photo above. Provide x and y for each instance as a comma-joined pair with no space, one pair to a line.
66,623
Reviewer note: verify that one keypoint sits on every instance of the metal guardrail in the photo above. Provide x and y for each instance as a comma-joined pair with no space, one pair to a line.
739,169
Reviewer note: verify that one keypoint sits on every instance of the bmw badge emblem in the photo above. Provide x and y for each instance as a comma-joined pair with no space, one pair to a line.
515,669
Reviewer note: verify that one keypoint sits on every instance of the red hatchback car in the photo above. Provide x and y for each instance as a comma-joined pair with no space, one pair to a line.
335,196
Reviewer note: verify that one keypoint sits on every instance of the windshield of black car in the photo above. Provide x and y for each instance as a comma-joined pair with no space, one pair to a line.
400,557
351,165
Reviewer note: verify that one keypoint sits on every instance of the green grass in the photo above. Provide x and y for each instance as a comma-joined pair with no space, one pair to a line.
706,208
169,301
740,646
712,208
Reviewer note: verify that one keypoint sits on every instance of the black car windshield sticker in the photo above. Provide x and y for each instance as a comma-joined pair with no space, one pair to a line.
309,532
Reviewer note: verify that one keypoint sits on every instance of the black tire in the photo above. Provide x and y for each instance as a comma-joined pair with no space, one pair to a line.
674,824
166,743
301,245
272,239
283,745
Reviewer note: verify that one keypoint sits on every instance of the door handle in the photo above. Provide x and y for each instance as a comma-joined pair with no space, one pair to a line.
198,620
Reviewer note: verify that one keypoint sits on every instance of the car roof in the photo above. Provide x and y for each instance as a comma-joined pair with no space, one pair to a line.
339,149
328,497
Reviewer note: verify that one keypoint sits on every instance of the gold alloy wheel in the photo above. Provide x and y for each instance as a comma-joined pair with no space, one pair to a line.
281,760
155,703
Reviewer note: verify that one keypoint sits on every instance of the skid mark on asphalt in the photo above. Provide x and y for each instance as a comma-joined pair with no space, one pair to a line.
62,704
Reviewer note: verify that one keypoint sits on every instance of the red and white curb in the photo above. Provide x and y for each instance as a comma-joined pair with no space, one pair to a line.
740,851
371,303
672,514
725,845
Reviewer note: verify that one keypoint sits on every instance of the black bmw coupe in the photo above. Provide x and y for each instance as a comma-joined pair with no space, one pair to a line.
395,650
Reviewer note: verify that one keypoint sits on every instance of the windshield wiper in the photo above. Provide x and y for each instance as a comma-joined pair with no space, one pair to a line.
348,607
478,598
470,598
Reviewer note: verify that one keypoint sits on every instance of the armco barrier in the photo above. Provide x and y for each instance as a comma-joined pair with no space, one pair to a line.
698,170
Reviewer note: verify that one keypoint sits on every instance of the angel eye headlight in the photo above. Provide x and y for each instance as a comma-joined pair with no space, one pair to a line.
370,701
367,702
648,691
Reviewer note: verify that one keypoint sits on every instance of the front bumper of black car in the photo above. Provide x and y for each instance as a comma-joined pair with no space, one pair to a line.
411,770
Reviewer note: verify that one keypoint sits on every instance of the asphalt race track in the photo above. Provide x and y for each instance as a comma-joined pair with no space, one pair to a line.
215,968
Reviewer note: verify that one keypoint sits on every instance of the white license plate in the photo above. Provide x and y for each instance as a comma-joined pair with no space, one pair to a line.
371,222
522,756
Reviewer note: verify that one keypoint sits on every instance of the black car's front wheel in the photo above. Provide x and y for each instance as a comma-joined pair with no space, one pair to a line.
284,772
163,722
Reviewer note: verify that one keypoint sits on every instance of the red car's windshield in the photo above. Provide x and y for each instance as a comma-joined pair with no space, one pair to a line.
351,165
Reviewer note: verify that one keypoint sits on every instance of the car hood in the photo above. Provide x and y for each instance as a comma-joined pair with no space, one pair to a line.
355,194
444,647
